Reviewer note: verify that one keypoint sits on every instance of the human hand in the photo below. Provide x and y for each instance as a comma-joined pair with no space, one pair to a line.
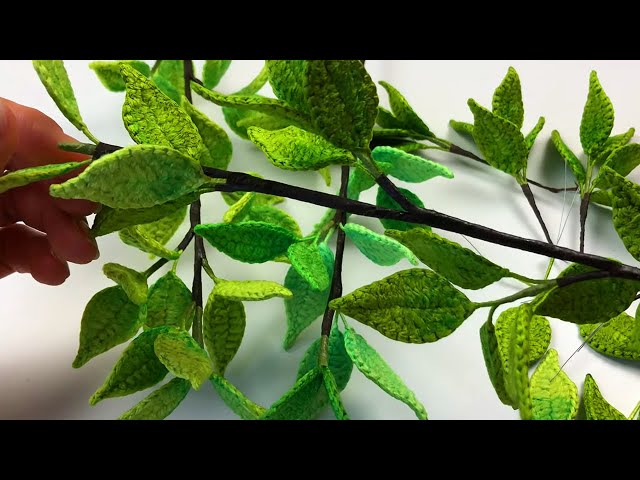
55,231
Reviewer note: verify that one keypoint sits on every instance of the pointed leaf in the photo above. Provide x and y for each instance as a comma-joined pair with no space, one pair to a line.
407,167
150,117
403,111
553,395
411,146
343,102
274,216
249,242
54,77
236,400
385,201
240,209
215,139
570,158
456,263
250,290
172,72
163,229
359,181
136,369
507,99
298,403
223,323
135,177
386,119
308,262
614,338
133,283
595,405
373,366
287,79
134,237
334,394
109,73
306,305
109,220
159,404
269,106
539,334
169,302
239,121
26,176
530,139
213,71
182,356
379,249
165,87
493,362
412,306
339,361
624,159
462,127
109,319
295,149
602,197
597,117
500,141
613,142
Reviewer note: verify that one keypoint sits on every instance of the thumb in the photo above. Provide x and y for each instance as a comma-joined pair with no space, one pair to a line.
8,135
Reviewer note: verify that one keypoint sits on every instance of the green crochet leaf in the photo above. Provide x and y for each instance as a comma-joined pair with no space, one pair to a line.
383,200
597,117
407,167
169,302
403,111
614,338
308,262
334,394
109,319
386,119
272,215
224,322
287,79
109,72
507,99
240,209
236,400
213,71
624,159
250,290
379,249
183,357
493,362
359,181
132,282
134,237
539,335
298,403
553,395
462,127
160,403
595,405
164,229
613,142
530,139
26,176
214,137
570,158
412,306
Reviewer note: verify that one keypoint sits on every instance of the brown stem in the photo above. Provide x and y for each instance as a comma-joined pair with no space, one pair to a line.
532,202
584,209
184,243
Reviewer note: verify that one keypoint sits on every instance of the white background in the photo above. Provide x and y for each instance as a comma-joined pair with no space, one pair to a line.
39,325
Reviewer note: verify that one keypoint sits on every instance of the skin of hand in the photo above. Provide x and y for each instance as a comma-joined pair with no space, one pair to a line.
39,234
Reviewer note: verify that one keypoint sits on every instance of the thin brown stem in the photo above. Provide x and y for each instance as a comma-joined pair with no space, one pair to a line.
584,209
526,189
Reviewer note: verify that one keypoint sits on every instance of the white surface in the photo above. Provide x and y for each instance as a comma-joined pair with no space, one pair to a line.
39,325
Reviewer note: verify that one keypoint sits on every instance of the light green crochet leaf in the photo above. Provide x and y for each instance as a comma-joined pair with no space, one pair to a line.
223,323
507,99
386,119
165,87
159,404
513,334
493,362
595,405
135,177
132,282
239,121
150,117
625,200
164,229
614,338
456,263
334,394
343,102
20,178
407,167
240,209
411,306
109,319
325,173
250,290
169,302
213,71
169,78
553,395
403,111
249,242
287,79
54,77
214,137
411,146
500,141
274,216
570,158
268,106
530,139
298,403
613,142
379,249
383,200
183,357
307,260
340,363
624,159
236,400
386,134
359,181
137,368
109,73
462,127
295,149
109,220
539,335
602,197
132,236
373,366
591,301
597,118
306,305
